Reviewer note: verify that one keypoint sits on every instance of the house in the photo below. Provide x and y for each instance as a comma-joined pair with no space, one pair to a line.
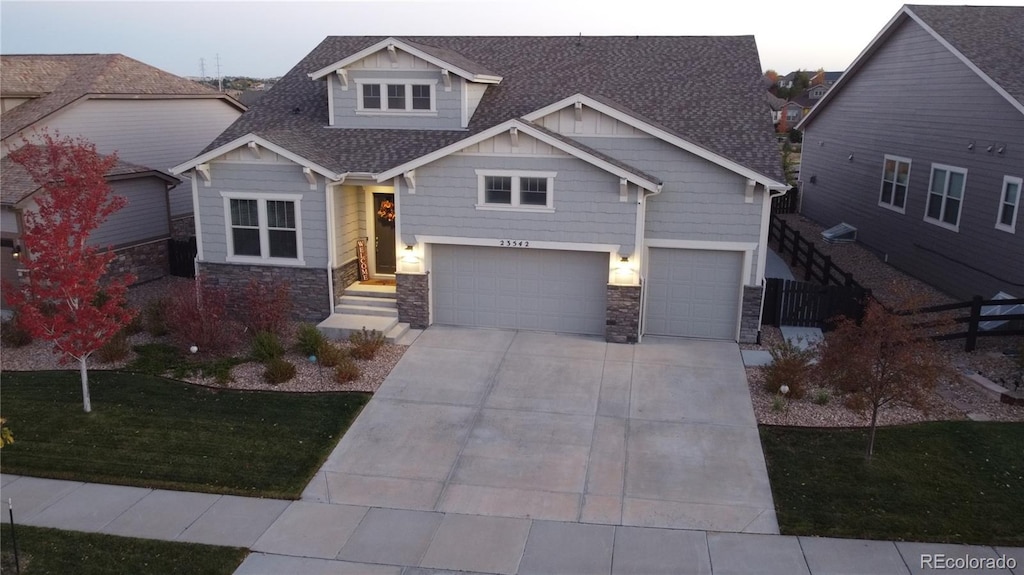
790,115
149,117
920,146
580,185
775,106
138,232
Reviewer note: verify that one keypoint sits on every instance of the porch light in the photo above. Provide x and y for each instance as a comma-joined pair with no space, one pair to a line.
410,255
16,254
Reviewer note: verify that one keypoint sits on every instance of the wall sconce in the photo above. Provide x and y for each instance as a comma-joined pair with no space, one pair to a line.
16,254
410,256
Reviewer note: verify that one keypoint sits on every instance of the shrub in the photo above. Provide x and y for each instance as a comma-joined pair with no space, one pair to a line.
14,334
778,403
278,371
197,315
330,355
790,366
265,346
346,370
136,325
309,340
115,349
366,343
267,307
821,397
155,316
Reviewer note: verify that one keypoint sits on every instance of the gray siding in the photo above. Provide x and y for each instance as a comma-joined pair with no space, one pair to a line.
586,202
181,197
145,217
698,201
448,104
159,134
917,100
262,178
346,217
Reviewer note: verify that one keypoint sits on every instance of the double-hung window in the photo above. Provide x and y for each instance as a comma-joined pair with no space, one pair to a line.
397,96
895,180
946,196
1009,204
263,227
515,190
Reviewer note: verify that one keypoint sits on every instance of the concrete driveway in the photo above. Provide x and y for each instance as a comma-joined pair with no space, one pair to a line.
559,427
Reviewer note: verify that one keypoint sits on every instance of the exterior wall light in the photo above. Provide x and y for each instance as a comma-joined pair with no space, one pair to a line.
16,253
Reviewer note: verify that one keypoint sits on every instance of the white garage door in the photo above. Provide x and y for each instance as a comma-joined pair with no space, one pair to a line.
519,288
693,293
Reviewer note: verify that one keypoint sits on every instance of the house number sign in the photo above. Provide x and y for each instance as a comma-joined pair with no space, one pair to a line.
514,243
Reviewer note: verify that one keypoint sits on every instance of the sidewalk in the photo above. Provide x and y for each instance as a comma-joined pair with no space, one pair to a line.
319,538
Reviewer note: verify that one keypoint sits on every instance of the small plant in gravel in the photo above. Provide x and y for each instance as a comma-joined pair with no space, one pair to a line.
309,339
821,397
365,343
265,346
155,316
346,370
279,370
14,334
778,403
198,315
330,355
115,349
137,325
790,366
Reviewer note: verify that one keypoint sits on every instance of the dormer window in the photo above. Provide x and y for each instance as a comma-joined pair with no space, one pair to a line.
397,96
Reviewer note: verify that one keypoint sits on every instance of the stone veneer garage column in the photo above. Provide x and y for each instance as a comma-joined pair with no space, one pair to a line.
622,323
308,286
750,316
412,291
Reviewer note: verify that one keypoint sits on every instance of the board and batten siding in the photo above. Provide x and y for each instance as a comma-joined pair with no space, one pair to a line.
698,200
916,100
586,203
158,134
448,104
346,217
269,178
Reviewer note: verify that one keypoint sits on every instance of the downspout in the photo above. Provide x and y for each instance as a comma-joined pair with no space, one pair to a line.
641,250
329,188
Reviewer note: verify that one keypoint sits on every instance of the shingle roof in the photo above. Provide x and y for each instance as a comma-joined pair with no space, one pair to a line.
16,184
992,37
706,90
65,78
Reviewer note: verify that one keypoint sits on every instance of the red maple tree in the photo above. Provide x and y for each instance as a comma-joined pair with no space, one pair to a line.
69,299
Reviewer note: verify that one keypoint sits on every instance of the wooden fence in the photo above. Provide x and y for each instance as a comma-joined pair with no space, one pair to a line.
817,266
790,302
182,255
972,330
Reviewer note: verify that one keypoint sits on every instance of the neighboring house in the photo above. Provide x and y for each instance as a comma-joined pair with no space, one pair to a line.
920,146
790,115
775,105
138,233
148,116
579,185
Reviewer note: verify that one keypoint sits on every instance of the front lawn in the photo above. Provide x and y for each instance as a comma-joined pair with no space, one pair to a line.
43,551
154,432
956,482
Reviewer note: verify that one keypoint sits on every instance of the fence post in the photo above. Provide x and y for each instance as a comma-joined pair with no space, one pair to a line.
972,326
826,273
809,264
782,235
847,279
796,247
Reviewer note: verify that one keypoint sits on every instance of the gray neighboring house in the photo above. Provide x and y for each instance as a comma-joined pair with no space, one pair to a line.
148,116
920,146
580,185
129,231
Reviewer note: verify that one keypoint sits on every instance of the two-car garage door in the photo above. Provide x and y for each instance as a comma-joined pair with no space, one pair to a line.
519,288
693,293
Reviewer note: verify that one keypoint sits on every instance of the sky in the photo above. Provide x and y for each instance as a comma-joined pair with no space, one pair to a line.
267,38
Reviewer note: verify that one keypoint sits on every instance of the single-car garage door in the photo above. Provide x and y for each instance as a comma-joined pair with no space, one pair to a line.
519,288
693,293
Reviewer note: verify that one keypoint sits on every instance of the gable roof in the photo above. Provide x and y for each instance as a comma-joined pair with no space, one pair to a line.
61,79
988,39
16,184
706,90
438,56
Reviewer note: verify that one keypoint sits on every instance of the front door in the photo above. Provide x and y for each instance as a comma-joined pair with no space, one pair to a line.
384,233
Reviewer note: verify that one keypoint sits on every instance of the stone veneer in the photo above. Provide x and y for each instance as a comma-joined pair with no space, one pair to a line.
344,276
622,323
183,228
412,291
308,286
146,262
750,316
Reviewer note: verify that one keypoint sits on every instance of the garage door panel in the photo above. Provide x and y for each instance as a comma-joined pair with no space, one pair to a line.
545,290
693,293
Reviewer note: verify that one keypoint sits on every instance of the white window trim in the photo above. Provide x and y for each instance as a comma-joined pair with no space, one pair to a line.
384,110
945,194
515,206
1012,228
261,206
881,188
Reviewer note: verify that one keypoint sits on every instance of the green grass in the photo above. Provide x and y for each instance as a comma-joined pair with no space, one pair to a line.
160,358
42,551
154,432
955,482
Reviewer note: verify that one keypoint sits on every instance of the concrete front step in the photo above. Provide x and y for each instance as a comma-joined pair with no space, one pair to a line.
340,326
366,310
375,301
370,291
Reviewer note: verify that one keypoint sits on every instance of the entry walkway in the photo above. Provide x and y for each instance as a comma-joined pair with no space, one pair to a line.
310,538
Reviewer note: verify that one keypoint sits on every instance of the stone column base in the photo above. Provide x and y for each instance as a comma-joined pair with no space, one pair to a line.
308,286
622,318
344,276
412,291
750,316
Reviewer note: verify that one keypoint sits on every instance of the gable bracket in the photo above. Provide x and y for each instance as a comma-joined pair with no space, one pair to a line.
447,78
393,54
578,111
204,172
623,189
310,177
410,180
513,132
254,148
748,196
342,77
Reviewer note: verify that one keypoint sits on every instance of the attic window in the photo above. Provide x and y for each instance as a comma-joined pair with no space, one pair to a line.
397,97
371,96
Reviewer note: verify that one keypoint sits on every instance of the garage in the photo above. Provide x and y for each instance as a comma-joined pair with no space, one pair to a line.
693,293
519,288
